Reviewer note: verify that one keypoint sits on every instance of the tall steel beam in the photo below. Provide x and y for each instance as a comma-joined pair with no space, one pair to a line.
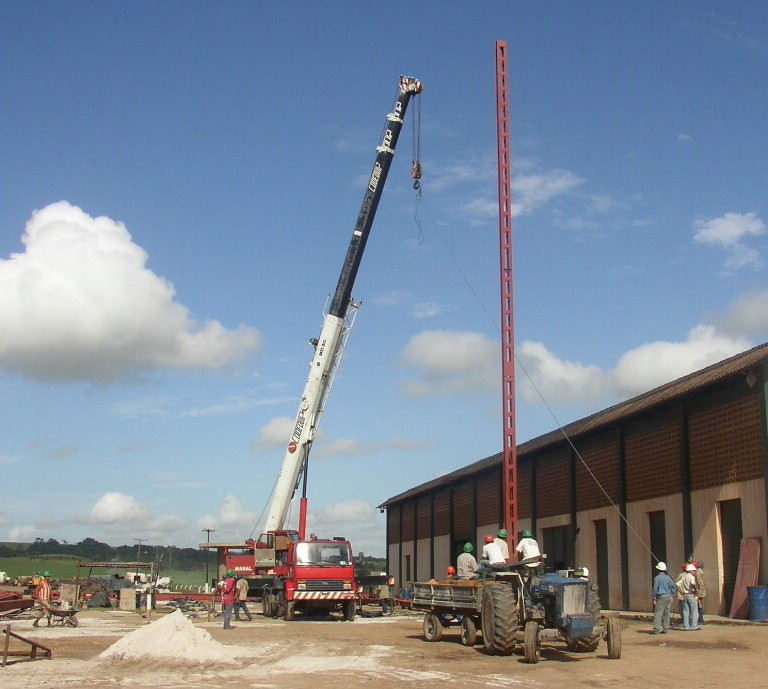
507,301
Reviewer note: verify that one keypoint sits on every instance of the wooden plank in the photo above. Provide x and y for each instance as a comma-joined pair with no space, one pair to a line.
31,654
746,575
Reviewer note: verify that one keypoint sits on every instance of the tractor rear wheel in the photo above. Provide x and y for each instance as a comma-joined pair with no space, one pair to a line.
499,618
532,642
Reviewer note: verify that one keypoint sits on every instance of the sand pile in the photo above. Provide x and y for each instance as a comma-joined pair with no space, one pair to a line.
173,637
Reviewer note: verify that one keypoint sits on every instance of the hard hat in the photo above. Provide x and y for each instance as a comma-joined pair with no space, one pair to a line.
46,574
489,539
451,570
527,534
662,566
229,573
502,533
468,548
690,568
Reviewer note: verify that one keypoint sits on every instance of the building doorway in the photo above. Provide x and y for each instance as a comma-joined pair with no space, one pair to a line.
601,557
731,534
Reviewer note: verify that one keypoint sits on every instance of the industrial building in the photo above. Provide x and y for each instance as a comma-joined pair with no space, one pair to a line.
680,470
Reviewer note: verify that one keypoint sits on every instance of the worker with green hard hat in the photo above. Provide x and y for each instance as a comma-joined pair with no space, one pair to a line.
501,541
466,565
43,598
228,597
528,548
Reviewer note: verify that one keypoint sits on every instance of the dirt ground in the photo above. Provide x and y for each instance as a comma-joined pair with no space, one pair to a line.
386,652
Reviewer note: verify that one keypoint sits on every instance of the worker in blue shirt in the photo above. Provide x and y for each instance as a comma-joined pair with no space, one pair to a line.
663,592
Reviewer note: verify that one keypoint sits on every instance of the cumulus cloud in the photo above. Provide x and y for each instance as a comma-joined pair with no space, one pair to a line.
636,371
23,534
80,303
116,507
357,520
276,433
746,315
232,516
731,232
450,362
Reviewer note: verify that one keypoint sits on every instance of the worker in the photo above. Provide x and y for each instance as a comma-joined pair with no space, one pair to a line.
450,573
527,548
241,596
501,541
228,597
466,565
492,556
43,596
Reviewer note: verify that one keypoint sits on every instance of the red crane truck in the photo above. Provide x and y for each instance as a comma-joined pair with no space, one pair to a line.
287,571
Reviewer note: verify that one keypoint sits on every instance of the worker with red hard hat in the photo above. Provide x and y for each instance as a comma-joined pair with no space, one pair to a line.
492,556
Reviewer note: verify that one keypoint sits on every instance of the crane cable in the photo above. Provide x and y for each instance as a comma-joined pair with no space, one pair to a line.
494,321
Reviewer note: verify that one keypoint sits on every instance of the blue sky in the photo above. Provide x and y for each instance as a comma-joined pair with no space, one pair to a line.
178,184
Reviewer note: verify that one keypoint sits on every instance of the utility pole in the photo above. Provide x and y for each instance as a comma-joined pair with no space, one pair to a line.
139,541
207,554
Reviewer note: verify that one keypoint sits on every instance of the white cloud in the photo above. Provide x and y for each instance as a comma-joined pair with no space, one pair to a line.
451,362
276,433
747,315
23,534
6,460
341,447
730,232
116,507
530,191
80,304
556,380
427,309
232,517
638,370
357,520
656,363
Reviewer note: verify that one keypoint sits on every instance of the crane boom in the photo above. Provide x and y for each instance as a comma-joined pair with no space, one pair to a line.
336,323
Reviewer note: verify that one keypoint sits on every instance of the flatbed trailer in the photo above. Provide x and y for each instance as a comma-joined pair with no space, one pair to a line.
449,603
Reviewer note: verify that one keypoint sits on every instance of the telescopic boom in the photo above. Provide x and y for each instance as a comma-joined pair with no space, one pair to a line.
336,323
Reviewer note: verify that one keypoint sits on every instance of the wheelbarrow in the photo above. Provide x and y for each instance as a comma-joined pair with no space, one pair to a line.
59,617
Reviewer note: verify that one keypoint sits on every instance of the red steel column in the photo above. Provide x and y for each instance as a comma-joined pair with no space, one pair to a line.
507,302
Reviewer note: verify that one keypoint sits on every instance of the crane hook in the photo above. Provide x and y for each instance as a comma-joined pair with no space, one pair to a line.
416,174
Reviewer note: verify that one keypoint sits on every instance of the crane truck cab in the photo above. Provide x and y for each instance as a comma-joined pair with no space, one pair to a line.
291,575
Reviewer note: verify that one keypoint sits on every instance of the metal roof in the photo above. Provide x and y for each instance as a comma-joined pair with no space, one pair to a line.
740,364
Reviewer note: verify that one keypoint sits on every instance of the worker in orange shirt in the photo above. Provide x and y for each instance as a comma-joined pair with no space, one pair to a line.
43,597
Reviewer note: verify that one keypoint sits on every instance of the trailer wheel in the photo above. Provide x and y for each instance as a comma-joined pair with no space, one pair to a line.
613,638
350,610
532,642
433,627
499,619
468,631
290,611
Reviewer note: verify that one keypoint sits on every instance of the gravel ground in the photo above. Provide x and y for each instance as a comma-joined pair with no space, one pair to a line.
381,652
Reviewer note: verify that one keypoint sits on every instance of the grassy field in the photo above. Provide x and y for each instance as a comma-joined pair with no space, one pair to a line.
63,567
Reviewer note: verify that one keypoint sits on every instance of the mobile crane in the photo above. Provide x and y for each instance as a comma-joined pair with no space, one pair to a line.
288,572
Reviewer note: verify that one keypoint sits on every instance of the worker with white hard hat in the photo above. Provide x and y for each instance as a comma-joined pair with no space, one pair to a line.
663,593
